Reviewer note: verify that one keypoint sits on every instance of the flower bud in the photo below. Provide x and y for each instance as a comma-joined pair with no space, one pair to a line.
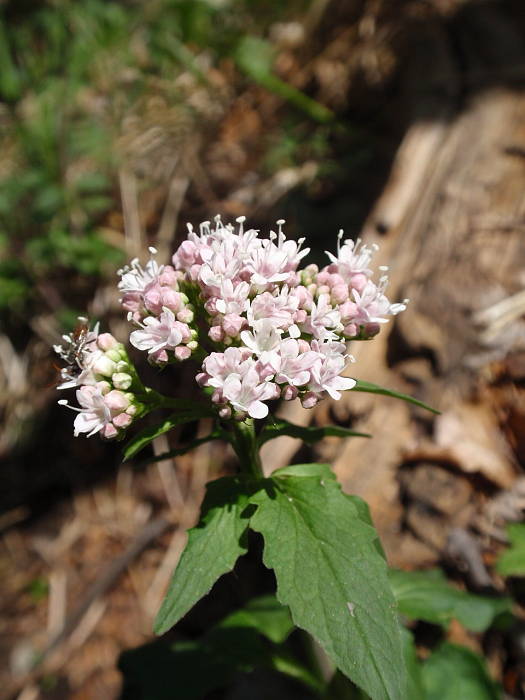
114,354
168,276
106,341
182,352
109,431
122,420
132,410
116,401
185,315
358,282
216,334
104,366
289,392
309,400
122,381
225,412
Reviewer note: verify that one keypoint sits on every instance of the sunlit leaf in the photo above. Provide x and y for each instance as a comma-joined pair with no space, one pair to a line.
370,388
308,434
332,576
212,549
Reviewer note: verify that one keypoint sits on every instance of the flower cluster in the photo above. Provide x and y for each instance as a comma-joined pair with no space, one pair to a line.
267,329
163,314
99,366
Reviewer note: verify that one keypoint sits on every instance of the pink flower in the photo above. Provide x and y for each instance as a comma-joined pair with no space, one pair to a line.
163,333
324,320
325,373
247,394
295,365
219,365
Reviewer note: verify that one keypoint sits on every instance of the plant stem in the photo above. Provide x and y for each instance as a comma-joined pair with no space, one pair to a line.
244,443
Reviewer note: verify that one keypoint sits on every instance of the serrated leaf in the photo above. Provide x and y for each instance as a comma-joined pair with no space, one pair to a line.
512,561
456,673
331,575
308,434
212,549
264,614
370,388
426,595
144,437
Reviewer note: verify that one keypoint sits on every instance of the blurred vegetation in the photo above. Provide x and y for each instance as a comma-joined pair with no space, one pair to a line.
69,74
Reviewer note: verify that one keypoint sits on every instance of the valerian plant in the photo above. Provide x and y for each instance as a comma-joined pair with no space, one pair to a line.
261,328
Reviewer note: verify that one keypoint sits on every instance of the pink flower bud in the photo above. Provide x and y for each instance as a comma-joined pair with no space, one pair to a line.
358,282
339,293
324,277
116,401
348,310
232,325
106,341
185,315
122,420
225,412
304,346
210,306
323,289
109,431
309,400
182,352
371,329
289,393
300,316
131,410
216,334
171,299
153,297
131,301
202,378
159,357
168,276
351,330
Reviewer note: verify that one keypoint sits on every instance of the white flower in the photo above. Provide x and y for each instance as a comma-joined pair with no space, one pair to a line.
324,320
219,365
373,305
247,393
94,415
163,333
326,371
295,366
135,278
352,257
232,299
264,342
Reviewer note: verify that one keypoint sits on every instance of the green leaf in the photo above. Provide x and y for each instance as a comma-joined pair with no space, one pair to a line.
456,673
217,434
512,561
264,614
308,434
144,437
255,57
426,595
332,576
213,548
370,388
